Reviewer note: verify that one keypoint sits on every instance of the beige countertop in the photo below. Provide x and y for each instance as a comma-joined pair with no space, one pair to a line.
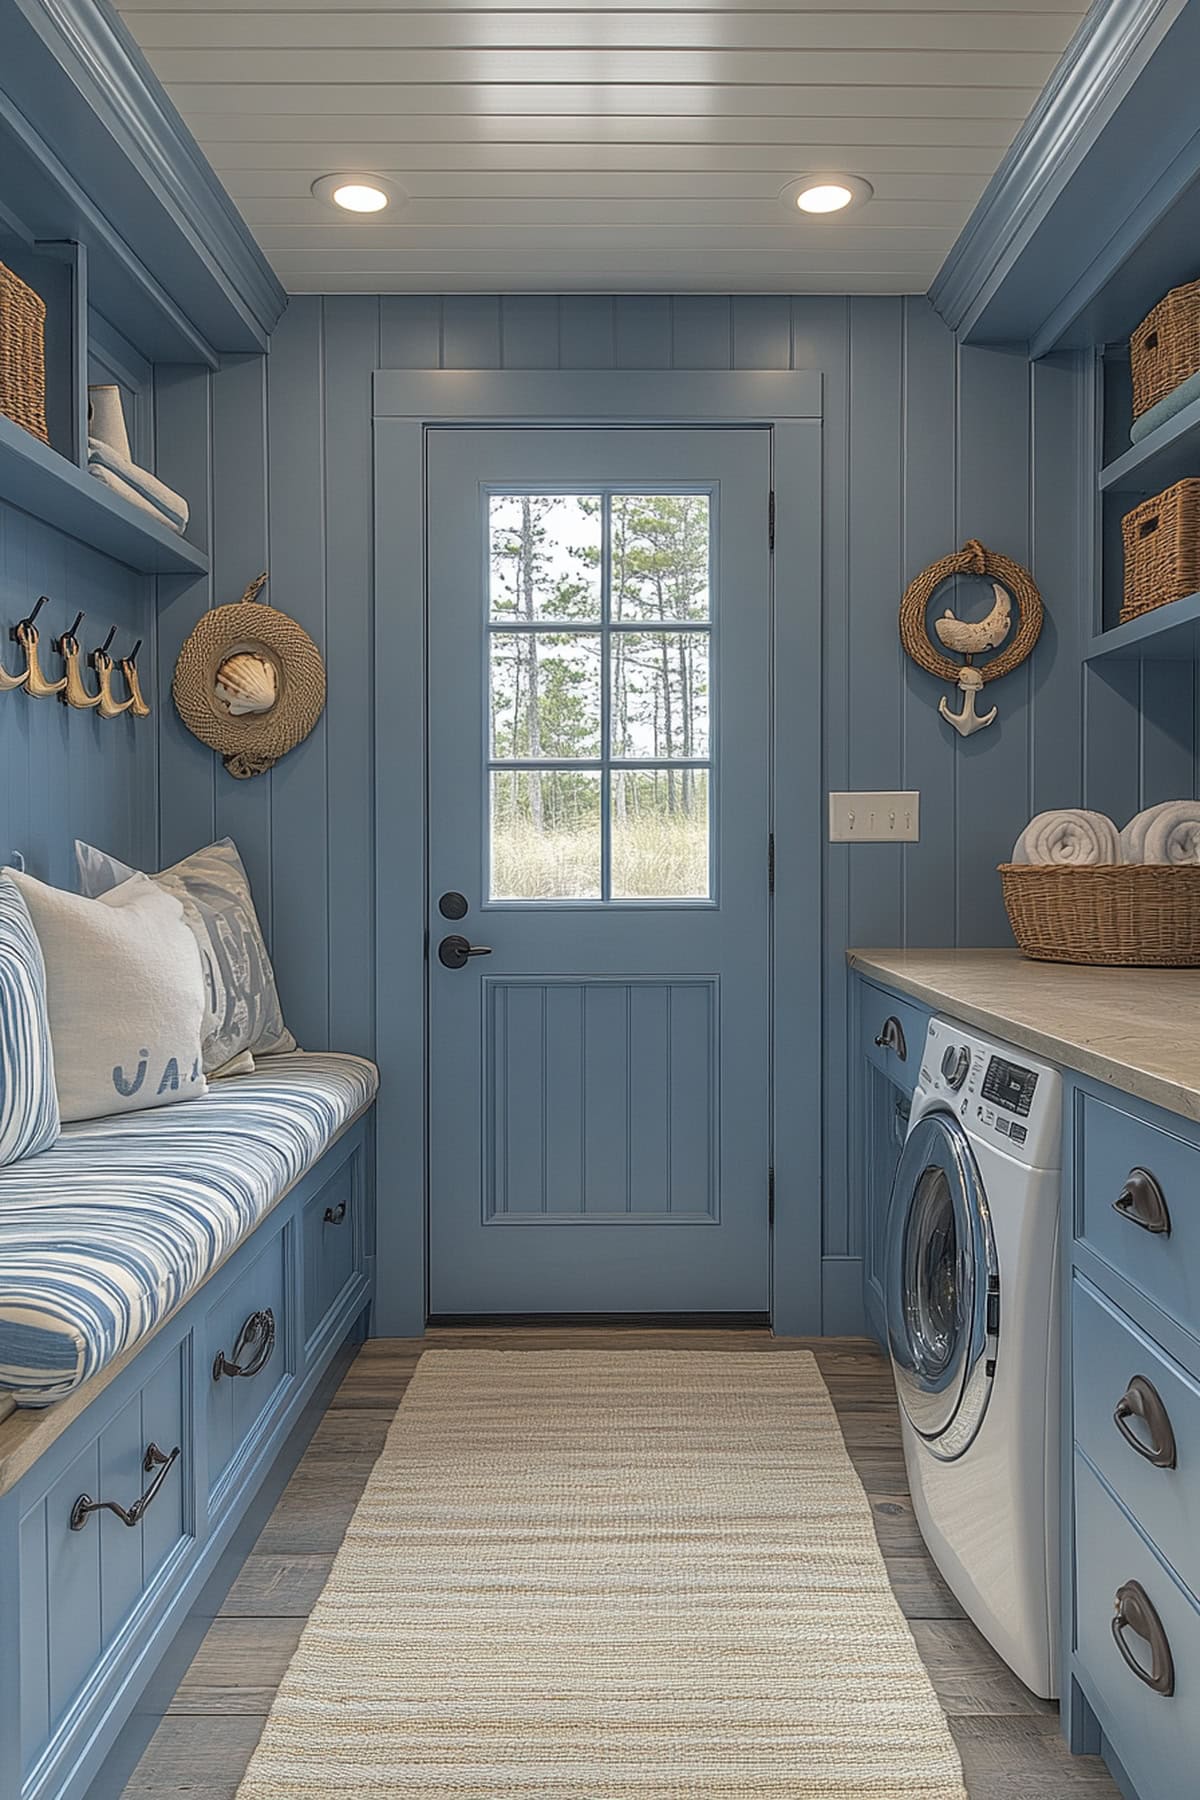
1138,1029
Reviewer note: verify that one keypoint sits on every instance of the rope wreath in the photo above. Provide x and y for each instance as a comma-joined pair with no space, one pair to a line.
251,742
972,559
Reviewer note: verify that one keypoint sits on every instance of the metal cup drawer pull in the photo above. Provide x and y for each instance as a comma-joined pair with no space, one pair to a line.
335,1214
1134,1611
891,1037
259,1330
154,1458
1143,1203
1142,1400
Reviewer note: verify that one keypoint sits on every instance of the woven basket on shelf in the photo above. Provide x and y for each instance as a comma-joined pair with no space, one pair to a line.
22,354
1165,348
1137,915
1162,549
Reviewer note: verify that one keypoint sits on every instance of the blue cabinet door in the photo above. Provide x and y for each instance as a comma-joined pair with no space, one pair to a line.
599,671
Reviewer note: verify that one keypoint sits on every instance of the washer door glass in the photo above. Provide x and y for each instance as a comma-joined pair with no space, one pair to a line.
937,1268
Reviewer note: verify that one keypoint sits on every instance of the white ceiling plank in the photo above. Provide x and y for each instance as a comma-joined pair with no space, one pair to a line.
260,188
230,132
352,28
467,213
796,102
223,9
598,246
899,171
963,69
288,168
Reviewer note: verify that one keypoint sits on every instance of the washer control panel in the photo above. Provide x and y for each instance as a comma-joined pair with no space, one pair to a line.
1001,1095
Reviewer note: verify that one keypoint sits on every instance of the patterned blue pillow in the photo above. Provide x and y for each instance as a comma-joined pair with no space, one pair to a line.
28,1099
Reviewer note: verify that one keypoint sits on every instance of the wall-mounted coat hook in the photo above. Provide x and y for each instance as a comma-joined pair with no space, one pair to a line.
75,693
129,669
27,635
102,662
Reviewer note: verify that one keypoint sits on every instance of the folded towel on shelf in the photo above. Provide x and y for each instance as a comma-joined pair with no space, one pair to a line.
1068,836
1169,833
172,506
116,486
106,418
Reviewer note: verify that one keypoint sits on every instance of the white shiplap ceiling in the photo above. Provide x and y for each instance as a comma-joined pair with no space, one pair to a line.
556,146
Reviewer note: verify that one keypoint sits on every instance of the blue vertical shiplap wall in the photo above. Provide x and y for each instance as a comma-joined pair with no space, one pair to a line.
65,773
926,444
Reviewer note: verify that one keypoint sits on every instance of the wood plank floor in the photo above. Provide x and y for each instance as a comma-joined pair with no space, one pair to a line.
1009,1740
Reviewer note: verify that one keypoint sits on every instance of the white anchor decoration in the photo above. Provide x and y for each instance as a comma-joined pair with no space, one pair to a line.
970,638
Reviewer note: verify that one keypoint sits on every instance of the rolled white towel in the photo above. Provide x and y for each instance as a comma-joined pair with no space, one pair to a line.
1169,833
1068,837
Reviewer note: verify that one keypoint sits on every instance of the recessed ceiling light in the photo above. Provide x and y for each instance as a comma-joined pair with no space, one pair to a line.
826,193
355,193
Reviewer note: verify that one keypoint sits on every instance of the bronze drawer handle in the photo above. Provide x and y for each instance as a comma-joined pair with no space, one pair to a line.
1142,1400
1143,1203
1135,1612
259,1329
335,1214
154,1458
891,1037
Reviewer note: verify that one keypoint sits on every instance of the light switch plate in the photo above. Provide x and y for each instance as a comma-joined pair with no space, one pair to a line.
874,818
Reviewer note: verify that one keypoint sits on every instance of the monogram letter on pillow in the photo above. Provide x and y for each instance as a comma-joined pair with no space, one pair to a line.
125,996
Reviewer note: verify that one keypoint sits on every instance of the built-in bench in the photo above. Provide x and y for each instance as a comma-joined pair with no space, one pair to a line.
175,1288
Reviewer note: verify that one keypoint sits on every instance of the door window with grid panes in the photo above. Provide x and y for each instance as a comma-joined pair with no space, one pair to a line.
600,627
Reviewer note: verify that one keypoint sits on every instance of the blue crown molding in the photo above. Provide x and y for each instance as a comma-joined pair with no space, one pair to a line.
1099,68
92,105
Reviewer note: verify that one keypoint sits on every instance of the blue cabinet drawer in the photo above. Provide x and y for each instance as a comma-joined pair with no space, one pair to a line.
1138,1204
332,1238
892,1033
1153,1734
85,1570
1119,1370
245,1350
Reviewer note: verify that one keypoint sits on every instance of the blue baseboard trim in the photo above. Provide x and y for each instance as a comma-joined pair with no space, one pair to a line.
217,1570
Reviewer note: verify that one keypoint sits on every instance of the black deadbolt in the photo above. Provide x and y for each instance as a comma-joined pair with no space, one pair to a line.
453,906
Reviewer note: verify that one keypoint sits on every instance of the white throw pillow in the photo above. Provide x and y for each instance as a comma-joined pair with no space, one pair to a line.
244,1014
125,996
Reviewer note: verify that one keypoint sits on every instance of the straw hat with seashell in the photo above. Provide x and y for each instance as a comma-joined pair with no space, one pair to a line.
249,683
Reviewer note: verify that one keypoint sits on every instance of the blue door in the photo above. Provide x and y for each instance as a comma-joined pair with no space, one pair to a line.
599,930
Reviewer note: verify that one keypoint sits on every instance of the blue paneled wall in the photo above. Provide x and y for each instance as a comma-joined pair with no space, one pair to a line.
66,773
926,444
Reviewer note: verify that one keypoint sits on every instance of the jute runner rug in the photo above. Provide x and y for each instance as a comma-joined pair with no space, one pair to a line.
609,1575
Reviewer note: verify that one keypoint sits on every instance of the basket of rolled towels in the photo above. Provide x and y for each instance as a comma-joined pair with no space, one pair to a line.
1078,890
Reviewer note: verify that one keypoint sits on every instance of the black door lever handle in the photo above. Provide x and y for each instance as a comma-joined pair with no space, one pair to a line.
454,950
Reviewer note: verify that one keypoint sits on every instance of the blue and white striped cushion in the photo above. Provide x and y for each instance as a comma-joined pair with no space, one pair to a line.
28,1099
104,1235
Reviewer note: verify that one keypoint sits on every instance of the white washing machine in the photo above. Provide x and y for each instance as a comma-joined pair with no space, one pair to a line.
971,1283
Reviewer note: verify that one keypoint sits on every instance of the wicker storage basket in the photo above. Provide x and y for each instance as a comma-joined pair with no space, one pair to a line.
1162,549
1165,348
22,354
1136,915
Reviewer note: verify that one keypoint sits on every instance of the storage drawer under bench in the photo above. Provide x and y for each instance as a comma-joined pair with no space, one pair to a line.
96,1543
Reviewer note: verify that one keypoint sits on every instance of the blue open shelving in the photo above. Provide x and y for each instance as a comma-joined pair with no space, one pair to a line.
40,481
1170,633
